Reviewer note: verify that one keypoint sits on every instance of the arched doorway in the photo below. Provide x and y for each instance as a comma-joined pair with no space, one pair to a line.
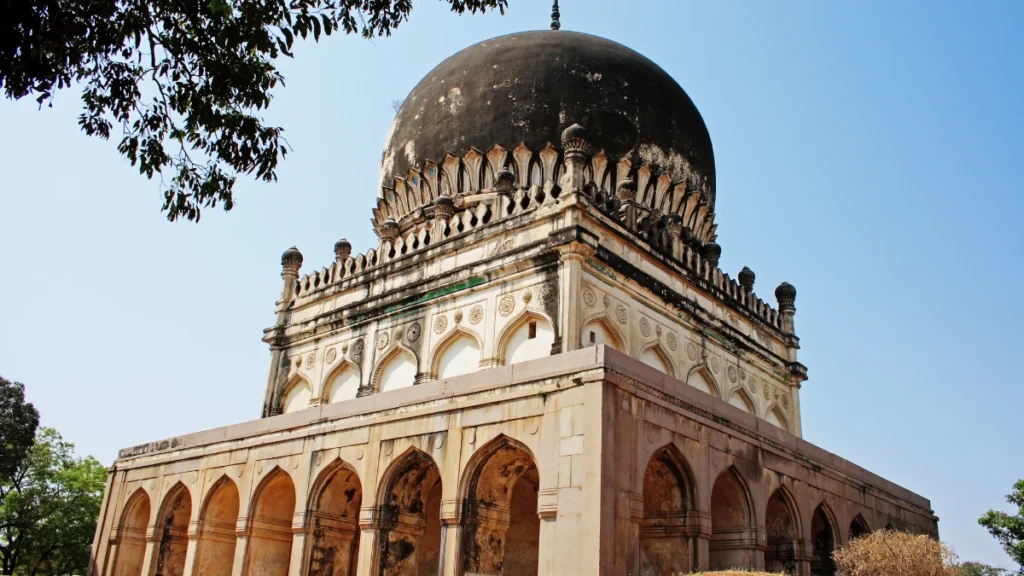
501,529
334,522
664,548
782,532
173,526
130,553
858,527
410,531
823,541
215,551
269,547
732,542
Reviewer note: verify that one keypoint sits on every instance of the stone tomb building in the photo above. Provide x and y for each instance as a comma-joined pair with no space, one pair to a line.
540,368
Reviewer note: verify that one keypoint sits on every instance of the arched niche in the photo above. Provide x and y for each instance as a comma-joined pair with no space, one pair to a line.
775,417
742,400
656,357
457,354
396,371
783,532
130,552
410,530
823,541
334,522
668,497
732,535
297,395
501,529
269,546
858,527
173,531
598,331
528,337
215,551
343,383
701,379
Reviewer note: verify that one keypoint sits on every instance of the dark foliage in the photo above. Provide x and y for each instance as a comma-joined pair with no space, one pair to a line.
18,422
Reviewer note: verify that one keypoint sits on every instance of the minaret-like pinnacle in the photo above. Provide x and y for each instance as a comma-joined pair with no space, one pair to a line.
555,23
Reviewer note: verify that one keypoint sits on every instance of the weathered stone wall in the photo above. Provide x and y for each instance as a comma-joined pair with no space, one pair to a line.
588,462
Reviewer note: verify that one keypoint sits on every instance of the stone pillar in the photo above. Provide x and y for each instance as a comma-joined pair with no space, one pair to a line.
369,531
152,550
572,257
698,528
238,567
785,294
291,262
575,143
190,552
547,511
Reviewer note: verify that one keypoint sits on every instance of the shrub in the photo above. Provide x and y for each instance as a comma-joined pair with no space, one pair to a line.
892,553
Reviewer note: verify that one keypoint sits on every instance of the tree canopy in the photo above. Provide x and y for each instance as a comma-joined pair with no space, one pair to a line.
18,422
1008,529
184,81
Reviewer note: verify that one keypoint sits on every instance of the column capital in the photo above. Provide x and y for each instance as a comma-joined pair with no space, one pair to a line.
547,503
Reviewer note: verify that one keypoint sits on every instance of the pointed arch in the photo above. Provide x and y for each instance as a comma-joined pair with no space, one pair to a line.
598,329
332,514
338,386
296,395
654,353
732,522
858,527
823,540
218,515
701,378
396,370
774,416
502,528
269,545
742,400
172,525
668,496
410,504
782,528
464,362
518,342
130,543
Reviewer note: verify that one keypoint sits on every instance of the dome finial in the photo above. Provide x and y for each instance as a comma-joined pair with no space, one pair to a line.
555,23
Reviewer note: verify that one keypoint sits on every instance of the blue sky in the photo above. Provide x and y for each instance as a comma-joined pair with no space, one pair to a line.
868,152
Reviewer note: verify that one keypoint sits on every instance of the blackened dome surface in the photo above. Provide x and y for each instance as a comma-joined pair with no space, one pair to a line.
528,87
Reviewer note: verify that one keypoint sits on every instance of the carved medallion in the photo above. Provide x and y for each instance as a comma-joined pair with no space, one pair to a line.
732,374
527,296
714,364
311,361
507,305
657,330
331,355
413,334
589,298
440,324
476,314
645,327
319,458
398,333
382,340
457,316
621,314
673,342
691,351
606,300
785,401
357,348
743,374
752,384
547,293
767,391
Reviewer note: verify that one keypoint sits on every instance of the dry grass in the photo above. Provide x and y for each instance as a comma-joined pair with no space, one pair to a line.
892,553
735,573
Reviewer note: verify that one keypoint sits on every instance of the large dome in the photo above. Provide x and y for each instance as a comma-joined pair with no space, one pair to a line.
528,87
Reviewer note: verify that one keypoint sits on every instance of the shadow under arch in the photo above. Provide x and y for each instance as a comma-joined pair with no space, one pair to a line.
327,384
658,350
396,350
669,497
824,530
218,515
733,539
601,320
332,521
783,529
172,524
501,528
703,373
269,528
130,544
858,527
453,335
511,329
409,504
